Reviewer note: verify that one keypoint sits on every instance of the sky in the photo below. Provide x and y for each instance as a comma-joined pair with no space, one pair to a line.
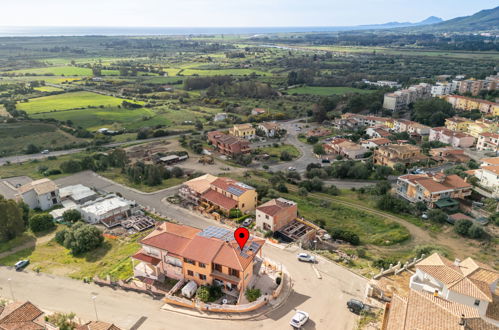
229,13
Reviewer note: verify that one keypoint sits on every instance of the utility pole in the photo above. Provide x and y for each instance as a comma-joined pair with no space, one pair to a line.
95,308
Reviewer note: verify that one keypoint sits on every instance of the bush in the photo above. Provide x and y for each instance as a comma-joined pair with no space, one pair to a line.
476,231
235,213
41,222
80,238
437,216
312,139
428,250
252,294
383,263
333,190
285,156
281,187
71,216
303,192
345,235
70,166
203,293
461,226
494,218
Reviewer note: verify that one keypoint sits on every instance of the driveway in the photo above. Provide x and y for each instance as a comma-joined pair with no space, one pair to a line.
325,299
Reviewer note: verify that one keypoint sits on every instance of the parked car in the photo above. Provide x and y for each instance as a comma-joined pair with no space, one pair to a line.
356,306
21,264
247,222
299,319
306,257
44,152
291,169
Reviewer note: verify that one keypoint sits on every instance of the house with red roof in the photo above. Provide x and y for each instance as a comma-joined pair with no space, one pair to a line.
275,214
207,257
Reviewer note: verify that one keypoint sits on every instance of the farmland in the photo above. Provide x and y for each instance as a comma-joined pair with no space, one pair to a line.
16,136
67,101
62,71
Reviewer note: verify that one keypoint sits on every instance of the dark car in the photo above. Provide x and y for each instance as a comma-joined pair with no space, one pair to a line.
20,265
356,306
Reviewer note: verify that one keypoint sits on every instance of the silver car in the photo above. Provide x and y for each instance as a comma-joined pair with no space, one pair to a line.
299,319
306,257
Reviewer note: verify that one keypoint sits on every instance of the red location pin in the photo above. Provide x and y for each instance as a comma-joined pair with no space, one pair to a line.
241,235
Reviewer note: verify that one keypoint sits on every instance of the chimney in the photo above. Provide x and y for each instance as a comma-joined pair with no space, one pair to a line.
457,262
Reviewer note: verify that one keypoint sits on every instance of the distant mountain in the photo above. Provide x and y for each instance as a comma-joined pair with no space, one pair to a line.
485,20
391,25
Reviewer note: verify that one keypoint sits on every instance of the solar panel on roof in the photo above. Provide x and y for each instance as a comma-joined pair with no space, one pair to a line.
244,185
235,191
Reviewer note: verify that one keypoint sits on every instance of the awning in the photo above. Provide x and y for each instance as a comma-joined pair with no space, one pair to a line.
446,202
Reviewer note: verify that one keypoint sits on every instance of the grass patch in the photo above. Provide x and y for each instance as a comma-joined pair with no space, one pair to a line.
68,101
16,136
276,151
48,89
19,240
116,175
325,91
112,258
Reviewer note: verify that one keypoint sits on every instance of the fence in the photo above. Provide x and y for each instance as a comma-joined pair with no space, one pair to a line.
398,268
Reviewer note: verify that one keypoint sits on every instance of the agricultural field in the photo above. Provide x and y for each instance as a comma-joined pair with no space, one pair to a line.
326,91
16,136
68,101
48,89
223,72
95,118
62,71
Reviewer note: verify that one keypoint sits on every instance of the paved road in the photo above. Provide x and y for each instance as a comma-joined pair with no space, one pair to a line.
325,299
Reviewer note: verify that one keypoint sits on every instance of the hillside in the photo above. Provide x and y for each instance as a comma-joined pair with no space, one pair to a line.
484,20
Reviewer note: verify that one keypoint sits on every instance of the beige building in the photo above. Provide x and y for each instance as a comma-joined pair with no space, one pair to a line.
275,214
40,194
392,154
246,131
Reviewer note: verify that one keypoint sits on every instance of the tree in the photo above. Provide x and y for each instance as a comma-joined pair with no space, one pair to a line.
461,226
303,192
437,216
476,231
312,139
281,187
80,238
70,166
333,190
399,168
177,172
432,111
319,149
71,216
203,293
63,321
32,149
11,219
252,294
41,222
285,156
143,134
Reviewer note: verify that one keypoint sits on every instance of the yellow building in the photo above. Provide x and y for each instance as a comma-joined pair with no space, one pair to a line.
246,131
482,126
392,154
457,124
464,103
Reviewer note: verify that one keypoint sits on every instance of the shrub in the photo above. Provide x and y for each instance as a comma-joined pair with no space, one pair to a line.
333,190
235,213
41,222
476,231
281,187
428,250
71,216
461,226
437,216
252,294
80,238
285,156
303,192
203,293
345,235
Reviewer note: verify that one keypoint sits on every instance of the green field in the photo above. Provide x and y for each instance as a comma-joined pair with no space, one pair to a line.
68,101
16,136
325,91
63,71
222,72
48,89
276,151
95,118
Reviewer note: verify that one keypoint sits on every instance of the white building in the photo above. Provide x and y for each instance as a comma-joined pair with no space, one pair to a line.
488,177
221,116
465,282
42,194
107,208
488,142
78,193
269,128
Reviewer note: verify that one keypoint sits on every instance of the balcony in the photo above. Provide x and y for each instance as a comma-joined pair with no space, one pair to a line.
417,283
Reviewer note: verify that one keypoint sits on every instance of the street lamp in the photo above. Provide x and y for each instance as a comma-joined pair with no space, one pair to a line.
9,280
315,245
95,308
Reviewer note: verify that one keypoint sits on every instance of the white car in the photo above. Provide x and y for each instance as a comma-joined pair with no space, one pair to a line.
299,319
306,257
291,169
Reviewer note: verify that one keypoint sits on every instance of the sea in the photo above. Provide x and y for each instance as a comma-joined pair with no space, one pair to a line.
17,31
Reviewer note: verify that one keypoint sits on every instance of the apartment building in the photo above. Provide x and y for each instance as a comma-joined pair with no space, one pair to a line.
446,295
444,88
219,193
245,131
436,190
411,127
455,139
227,144
488,142
448,155
40,194
207,257
458,124
400,99
482,126
392,154
463,103
275,214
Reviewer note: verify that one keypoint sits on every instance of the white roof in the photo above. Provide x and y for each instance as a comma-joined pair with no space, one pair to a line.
68,205
76,192
102,206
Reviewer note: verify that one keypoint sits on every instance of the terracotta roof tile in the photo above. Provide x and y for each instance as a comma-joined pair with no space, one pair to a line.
218,199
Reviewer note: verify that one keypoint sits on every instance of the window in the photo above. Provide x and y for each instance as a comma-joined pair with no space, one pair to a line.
217,267
233,272
202,277
242,205
266,216
189,261
190,273
202,265
477,302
